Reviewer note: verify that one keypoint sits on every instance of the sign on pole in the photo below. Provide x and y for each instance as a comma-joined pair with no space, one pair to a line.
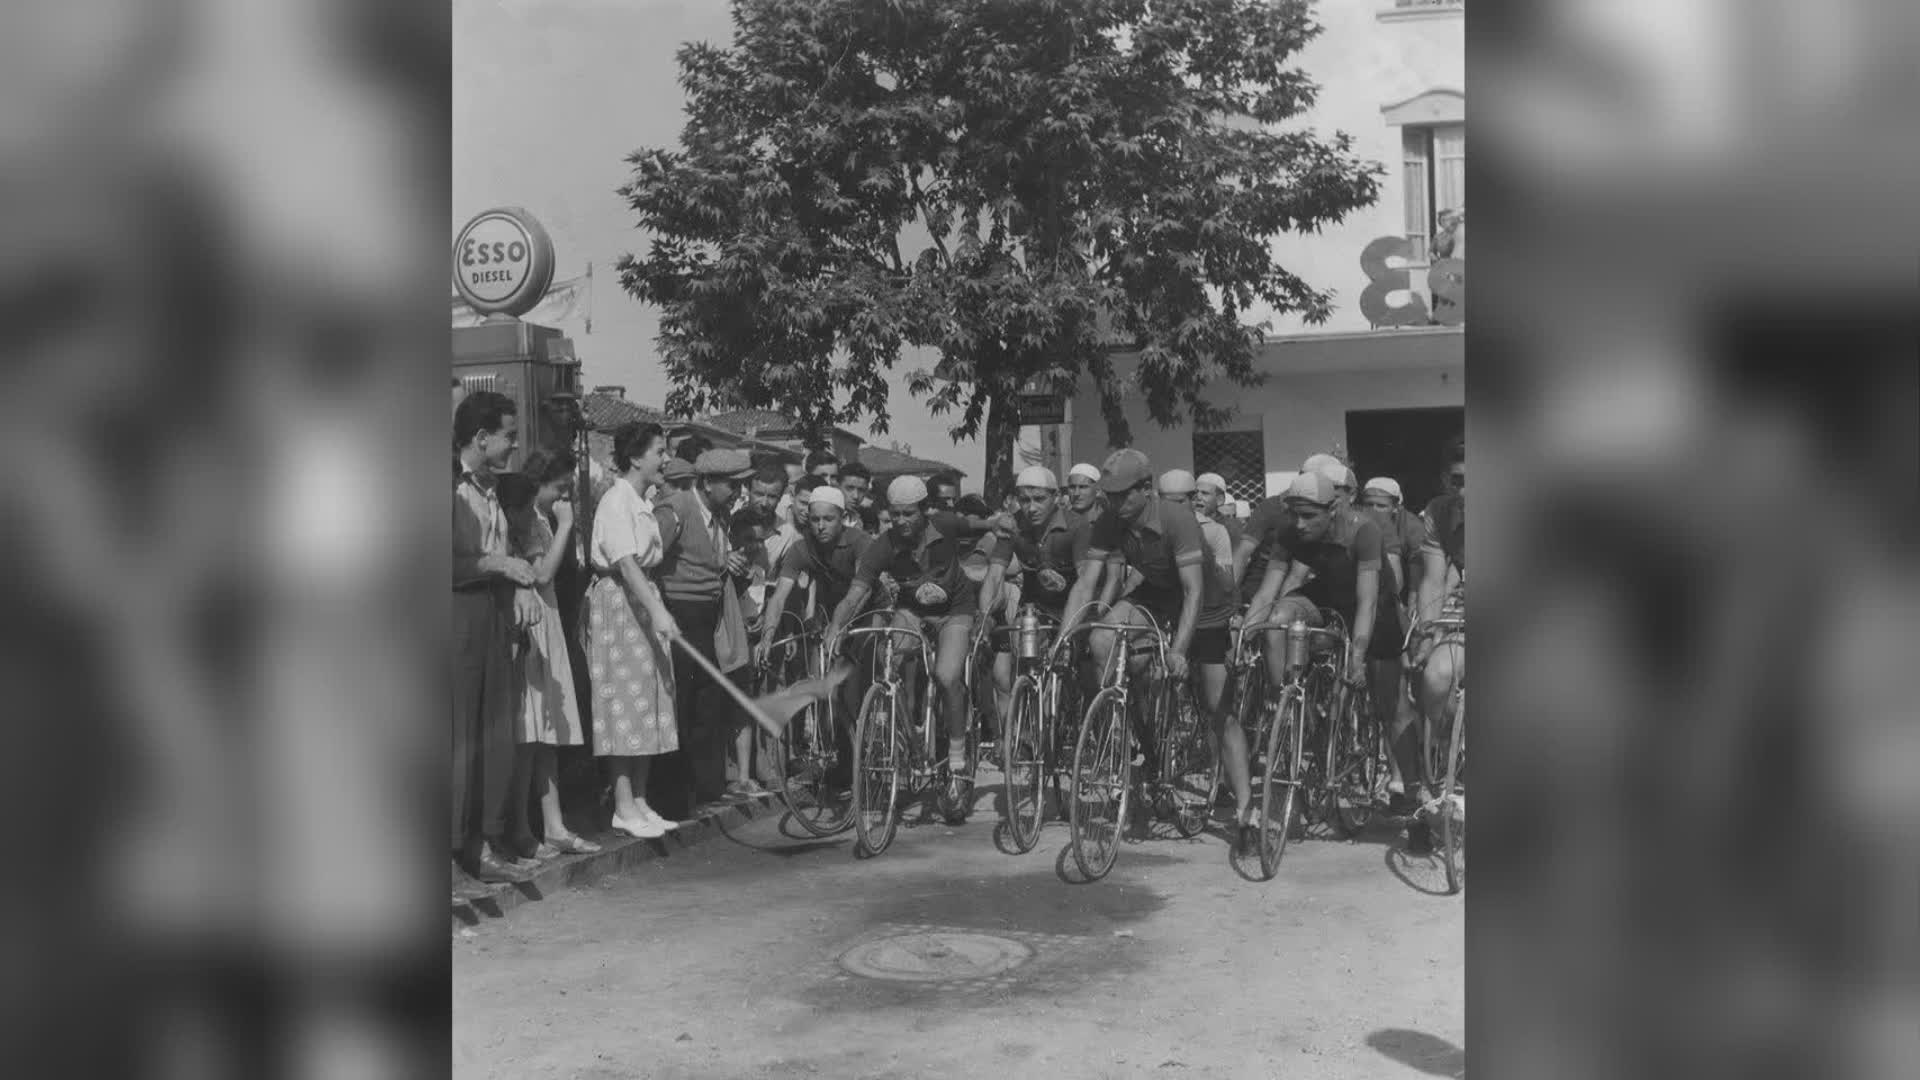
503,262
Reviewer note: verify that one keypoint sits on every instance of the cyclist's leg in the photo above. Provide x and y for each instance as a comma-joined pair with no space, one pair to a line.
1209,655
952,635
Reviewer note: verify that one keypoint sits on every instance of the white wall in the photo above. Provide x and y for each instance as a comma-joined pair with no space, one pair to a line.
1313,381
1364,64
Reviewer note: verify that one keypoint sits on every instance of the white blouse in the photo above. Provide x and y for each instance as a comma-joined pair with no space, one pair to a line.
623,525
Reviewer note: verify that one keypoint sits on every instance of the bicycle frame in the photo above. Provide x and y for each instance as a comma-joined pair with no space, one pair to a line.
886,653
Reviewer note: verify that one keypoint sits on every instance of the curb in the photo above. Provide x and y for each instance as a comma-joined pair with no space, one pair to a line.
475,902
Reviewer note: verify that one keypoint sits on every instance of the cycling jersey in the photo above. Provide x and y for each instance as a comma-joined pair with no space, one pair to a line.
936,558
1164,539
1058,544
829,573
1446,522
1352,543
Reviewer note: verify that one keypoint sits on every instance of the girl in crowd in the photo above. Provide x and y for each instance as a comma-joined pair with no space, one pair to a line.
628,632
549,716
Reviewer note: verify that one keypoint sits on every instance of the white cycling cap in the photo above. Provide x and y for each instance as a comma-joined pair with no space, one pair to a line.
828,494
1037,476
1176,482
1085,471
1212,480
1386,485
906,491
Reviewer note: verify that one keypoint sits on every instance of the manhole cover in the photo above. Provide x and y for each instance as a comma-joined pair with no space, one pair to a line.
935,957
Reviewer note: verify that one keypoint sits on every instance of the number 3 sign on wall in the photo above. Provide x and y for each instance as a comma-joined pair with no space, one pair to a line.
1446,281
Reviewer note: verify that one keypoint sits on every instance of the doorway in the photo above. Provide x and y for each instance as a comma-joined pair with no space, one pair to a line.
1406,444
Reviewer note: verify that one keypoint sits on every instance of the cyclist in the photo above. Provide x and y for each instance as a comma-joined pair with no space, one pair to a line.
1042,549
1160,541
1178,486
919,559
1443,558
1083,491
1329,555
1269,519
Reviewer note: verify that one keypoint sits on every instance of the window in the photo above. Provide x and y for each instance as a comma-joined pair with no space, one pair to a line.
1240,457
1435,157
472,383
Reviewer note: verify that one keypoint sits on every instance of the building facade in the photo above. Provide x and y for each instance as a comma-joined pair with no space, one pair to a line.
1383,382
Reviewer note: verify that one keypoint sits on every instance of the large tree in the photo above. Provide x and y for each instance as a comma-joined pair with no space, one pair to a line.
1020,185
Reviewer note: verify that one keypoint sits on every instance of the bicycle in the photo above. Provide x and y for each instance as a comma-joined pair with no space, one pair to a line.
1280,764
812,763
1036,745
1101,785
1443,758
887,756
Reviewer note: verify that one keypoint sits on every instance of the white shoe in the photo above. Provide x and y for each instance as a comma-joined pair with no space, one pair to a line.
641,829
648,813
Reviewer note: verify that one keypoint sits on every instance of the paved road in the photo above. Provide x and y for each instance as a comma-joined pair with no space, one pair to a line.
720,961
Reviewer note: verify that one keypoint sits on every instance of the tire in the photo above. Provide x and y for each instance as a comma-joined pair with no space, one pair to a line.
1316,774
1187,765
1099,791
879,766
1023,760
1280,787
1354,750
1445,759
803,766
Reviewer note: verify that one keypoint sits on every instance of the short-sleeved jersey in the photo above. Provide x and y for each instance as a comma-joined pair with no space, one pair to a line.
937,557
1164,539
1269,517
828,572
1058,544
1351,544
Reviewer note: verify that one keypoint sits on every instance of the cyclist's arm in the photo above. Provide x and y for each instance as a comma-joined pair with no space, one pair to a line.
1433,581
1081,594
1113,575
849,606
1193,582
776,604
1269,591
990,588
1366,586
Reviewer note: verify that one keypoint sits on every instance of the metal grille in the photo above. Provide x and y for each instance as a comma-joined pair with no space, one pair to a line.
1240,457
472,383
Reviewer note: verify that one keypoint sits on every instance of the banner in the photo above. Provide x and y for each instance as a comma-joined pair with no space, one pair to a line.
564,301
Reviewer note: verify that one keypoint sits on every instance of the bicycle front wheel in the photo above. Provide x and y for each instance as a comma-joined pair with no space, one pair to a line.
1445,758
812,769
1023,759
879,768
1102,777
1281,780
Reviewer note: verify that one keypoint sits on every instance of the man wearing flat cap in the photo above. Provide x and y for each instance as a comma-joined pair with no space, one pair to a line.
696,561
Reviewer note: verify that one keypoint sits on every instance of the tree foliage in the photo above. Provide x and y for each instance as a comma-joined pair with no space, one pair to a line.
1018,185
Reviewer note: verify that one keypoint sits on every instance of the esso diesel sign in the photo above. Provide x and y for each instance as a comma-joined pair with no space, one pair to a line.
502,262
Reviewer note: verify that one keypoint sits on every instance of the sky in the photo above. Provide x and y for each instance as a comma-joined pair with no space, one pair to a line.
549,97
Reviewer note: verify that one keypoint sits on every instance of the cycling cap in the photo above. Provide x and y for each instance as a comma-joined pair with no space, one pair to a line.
1385,485
1036,476
1212,480
828,494
907,491
1125,469
1090,472
1311,487
1176,482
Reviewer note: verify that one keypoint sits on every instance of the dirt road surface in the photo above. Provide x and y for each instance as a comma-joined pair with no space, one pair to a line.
723,961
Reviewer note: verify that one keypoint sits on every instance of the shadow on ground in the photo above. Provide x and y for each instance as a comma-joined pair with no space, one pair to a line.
1418,1050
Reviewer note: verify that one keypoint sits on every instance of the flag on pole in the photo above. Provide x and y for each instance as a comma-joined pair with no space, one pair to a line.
563,302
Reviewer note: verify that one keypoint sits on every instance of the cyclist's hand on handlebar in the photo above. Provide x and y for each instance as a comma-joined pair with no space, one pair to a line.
1177,665
1357,661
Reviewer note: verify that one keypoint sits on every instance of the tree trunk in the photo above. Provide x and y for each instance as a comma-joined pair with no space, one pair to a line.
1003,431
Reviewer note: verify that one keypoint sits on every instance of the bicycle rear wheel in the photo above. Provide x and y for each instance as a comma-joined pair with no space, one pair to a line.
879,765
1186,764
1023,759
1280,786
1353,752
1102,777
